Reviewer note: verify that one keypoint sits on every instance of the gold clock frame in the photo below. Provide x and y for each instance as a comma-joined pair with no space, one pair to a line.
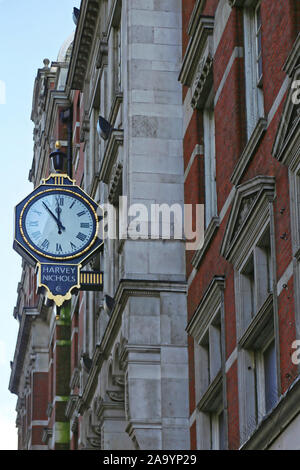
57,258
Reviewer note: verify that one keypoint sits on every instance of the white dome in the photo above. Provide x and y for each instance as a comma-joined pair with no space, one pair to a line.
65,50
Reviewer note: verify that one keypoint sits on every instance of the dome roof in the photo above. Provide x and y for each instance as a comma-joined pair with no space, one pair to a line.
65,50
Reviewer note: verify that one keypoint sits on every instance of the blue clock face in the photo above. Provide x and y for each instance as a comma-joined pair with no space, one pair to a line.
59,224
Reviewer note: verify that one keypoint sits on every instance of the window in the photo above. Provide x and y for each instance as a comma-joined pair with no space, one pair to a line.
258,362
249,244
253,65
206,327
256,278
258,57
209,160
218,430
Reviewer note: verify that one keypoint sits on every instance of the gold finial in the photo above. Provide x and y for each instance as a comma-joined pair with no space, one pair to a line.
57,144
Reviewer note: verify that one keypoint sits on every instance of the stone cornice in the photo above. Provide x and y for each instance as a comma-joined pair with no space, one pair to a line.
257,327
195,16
246,219
207,308
195,49
249,150
212,398
83,42
20,350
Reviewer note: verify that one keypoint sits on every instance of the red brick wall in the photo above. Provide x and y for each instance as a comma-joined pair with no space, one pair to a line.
280,27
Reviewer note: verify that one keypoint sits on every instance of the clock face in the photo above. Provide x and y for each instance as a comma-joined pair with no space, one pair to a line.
59,224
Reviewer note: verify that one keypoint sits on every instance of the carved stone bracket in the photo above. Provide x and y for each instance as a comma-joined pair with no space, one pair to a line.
102,57
115,183
115,395
202,82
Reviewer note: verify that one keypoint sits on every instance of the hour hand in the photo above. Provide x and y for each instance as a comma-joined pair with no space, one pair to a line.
58,212
59,224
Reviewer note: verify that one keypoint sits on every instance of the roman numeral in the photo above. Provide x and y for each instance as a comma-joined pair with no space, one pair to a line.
74,247
83,225
45,244
81,236
58,247
61,201
72,205
80,214
37,212
36,235
33,224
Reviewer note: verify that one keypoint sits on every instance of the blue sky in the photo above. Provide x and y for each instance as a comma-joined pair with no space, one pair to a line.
30,31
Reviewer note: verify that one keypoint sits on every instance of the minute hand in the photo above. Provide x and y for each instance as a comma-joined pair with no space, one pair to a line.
59,224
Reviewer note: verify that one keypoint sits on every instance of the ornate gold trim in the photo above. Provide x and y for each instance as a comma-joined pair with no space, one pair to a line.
56,257
58,299
58,179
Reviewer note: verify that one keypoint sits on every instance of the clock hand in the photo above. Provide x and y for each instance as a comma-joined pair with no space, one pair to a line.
59,224
58,211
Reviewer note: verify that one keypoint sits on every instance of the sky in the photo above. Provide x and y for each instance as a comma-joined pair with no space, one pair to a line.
30,31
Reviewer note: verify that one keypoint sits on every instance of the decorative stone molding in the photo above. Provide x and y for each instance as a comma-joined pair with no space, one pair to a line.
85,128
258,332
208,237
212,398
111,150
293,59
114,186
94,442
102,56
203,81
195,49
115,395
195,16
125,289
74,424
249,150
208,306
71,406
287,141
248,215
83,41
46,435
74,382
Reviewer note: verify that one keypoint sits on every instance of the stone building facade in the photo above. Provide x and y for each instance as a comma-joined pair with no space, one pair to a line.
183,348
241,159
112,371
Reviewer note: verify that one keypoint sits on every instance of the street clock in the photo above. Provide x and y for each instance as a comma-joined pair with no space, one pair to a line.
57,230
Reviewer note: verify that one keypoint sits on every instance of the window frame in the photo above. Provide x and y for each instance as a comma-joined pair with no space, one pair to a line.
253,83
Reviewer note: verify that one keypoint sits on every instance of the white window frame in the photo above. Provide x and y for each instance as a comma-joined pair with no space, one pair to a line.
210,391
215,431
209,160
254,92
